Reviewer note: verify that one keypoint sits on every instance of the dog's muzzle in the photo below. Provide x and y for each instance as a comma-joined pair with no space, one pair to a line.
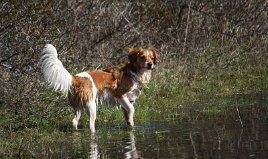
150,65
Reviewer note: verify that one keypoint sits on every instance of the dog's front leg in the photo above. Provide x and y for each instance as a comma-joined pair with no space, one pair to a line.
128,110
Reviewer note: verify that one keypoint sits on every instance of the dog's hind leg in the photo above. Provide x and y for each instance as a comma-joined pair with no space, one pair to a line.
92,112
77,115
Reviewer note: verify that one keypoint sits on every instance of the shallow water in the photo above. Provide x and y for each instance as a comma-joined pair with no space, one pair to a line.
202,137
230,127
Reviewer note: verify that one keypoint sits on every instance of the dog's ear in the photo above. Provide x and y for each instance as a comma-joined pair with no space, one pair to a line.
156,56
133,53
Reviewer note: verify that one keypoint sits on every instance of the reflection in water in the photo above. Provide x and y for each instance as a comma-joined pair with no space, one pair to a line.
91,144
85,144
131,147
93,147
217,137
239,132
240,135
193,144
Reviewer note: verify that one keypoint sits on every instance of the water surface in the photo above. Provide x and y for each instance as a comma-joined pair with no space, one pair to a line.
231,127
202,137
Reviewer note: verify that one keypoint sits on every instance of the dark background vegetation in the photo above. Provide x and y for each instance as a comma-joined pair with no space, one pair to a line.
194,38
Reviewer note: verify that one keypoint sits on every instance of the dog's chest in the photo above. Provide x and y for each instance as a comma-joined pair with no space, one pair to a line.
134,92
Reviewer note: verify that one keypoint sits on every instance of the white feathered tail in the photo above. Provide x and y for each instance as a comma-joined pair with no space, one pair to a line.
53,70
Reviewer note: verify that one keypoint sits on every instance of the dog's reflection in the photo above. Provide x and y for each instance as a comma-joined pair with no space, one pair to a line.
93,147
132,151
79,145
130,148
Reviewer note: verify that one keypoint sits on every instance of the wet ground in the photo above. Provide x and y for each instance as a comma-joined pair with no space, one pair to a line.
203,139
239,137
231,127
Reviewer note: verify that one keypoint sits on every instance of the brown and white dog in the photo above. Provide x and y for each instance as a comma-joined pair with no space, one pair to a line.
112,85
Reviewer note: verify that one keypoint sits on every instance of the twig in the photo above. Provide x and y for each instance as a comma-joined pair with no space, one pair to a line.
186,29
193,144
240,119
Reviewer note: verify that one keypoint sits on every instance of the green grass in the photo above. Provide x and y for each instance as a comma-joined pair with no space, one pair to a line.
164,95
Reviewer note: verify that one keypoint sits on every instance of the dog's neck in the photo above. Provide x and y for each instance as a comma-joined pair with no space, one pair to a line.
141,75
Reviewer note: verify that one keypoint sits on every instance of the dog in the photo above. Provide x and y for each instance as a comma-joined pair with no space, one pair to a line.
112,85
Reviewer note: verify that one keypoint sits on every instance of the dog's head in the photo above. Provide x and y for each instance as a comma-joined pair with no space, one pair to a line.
143,58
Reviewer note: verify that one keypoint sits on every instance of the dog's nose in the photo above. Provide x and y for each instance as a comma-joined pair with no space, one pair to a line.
150,65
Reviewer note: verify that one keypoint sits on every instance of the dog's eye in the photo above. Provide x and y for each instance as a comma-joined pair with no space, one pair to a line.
142,57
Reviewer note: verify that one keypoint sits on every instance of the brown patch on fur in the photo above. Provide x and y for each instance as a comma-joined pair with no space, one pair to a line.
124,81
125,85
104,80
116,72
81,92
133,53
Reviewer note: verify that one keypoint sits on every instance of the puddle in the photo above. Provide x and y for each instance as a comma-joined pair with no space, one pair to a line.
204,138
238,132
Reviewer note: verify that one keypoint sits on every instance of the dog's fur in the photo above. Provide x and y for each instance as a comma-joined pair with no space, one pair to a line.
112,85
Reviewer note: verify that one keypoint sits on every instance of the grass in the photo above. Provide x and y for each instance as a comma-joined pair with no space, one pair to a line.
30,143
162,96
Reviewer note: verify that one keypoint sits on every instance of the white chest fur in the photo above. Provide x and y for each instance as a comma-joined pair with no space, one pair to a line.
138,80
145,76
135,91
